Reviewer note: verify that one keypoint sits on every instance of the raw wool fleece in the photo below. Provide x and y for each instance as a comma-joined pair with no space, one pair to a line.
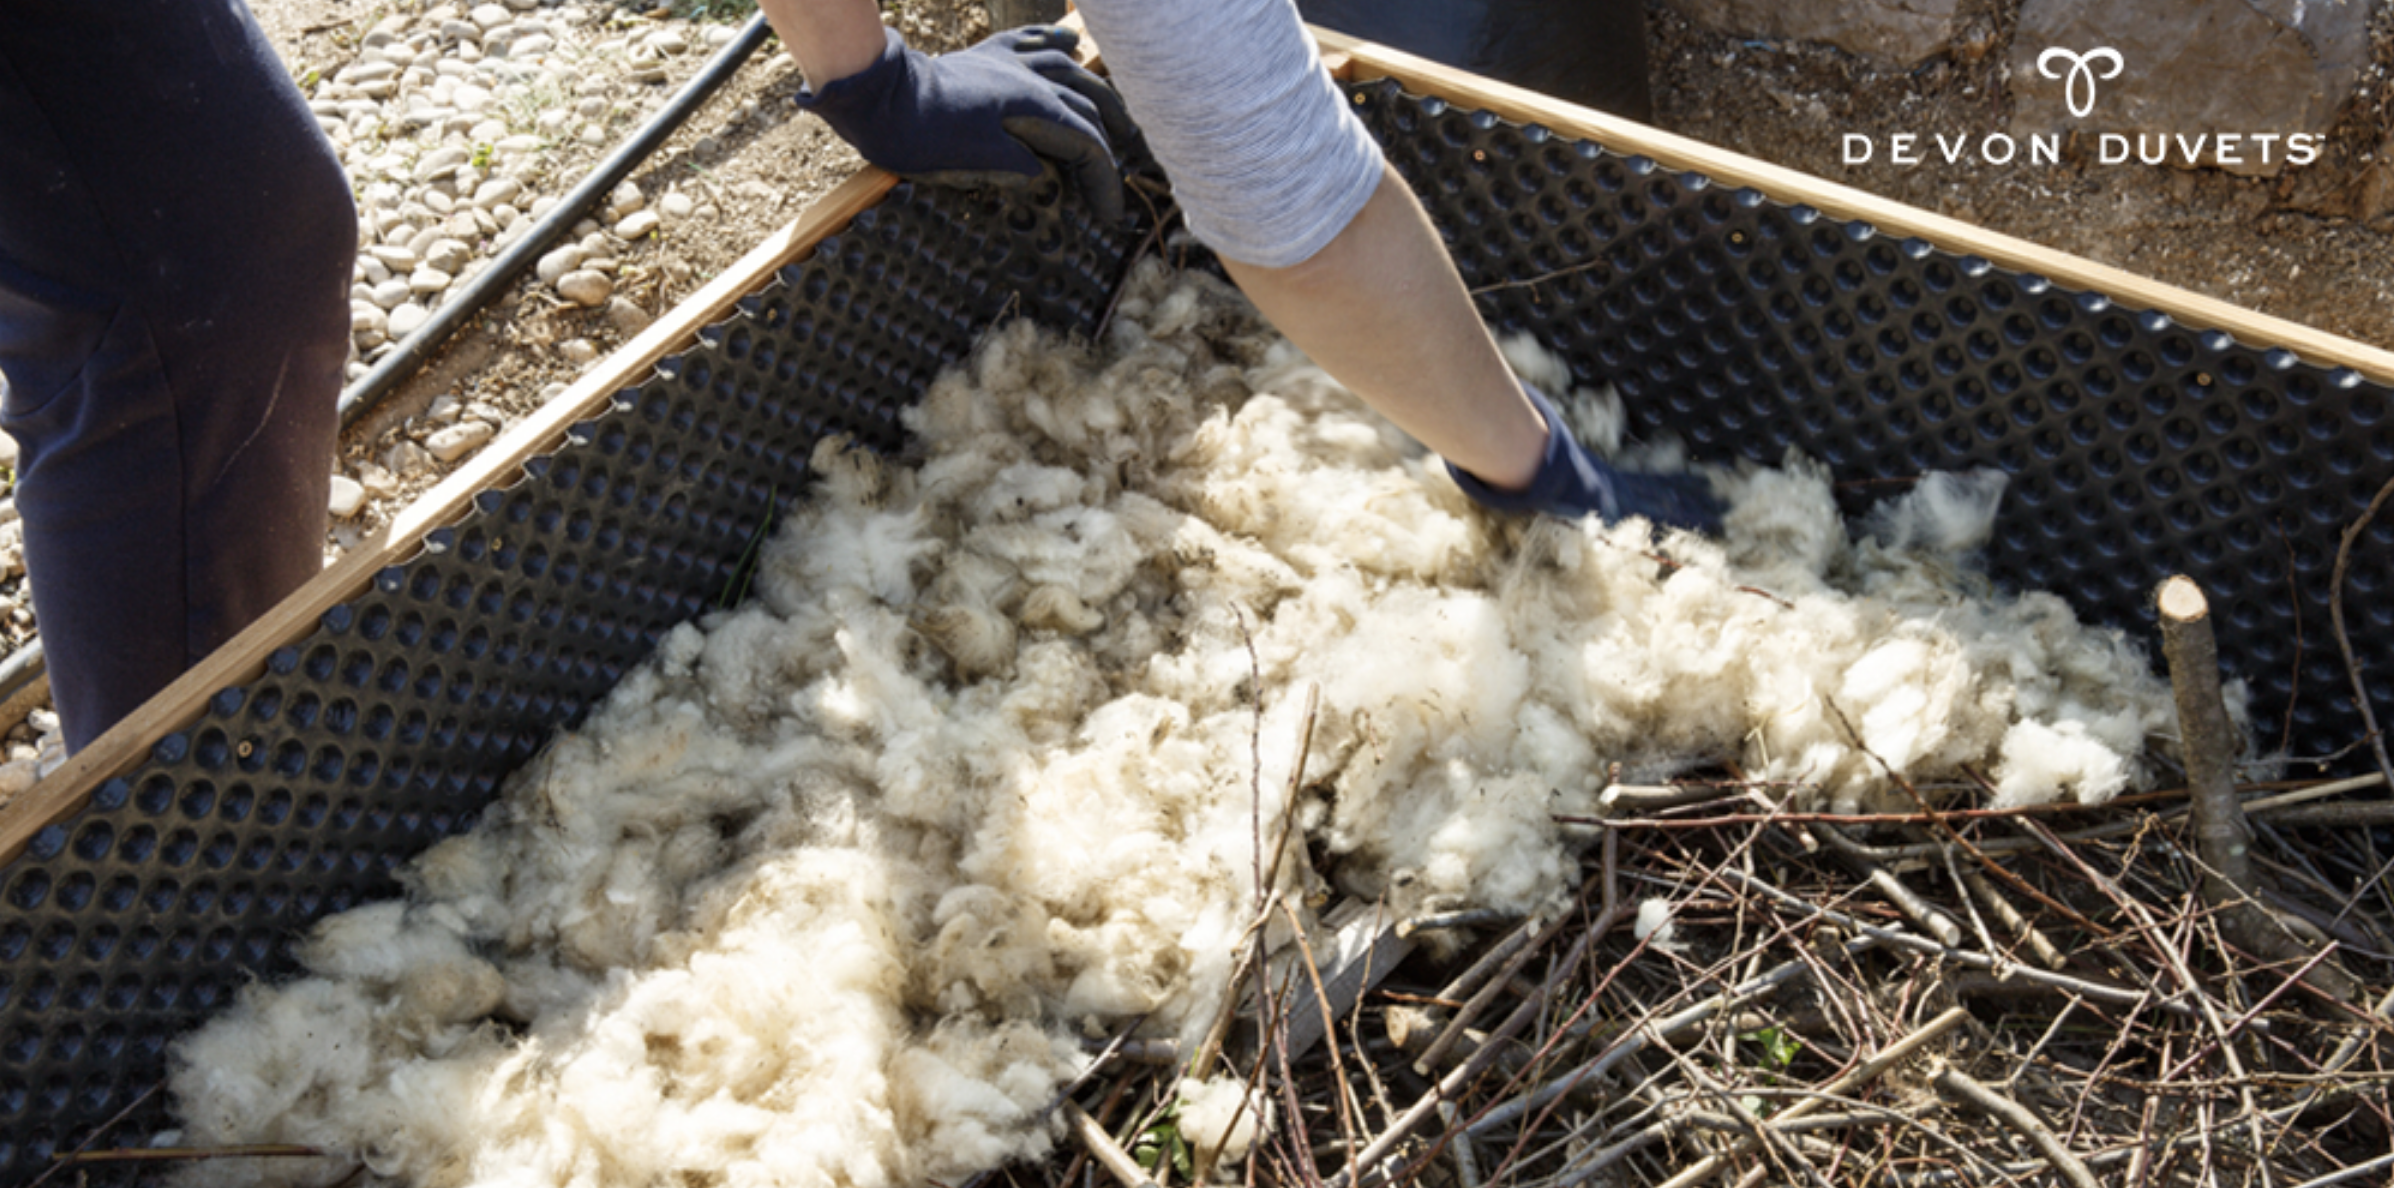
834,890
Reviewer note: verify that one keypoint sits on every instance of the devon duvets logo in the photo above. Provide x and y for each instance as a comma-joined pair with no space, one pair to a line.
2080,73
2080,68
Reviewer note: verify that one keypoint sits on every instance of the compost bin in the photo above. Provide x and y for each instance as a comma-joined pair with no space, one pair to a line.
1748,310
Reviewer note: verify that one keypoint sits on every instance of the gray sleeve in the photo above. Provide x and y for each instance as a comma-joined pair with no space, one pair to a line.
1265,157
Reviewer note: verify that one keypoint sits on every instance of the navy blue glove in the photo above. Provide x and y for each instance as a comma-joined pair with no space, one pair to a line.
985,115
1571,482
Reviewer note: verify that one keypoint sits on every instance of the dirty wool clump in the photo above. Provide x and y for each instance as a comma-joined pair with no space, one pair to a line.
837,889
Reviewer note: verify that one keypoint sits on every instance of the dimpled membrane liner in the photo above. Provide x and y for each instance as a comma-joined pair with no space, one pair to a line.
395,721
2136,448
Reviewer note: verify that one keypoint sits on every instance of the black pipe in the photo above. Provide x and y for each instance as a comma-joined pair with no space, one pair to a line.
417,348
19,670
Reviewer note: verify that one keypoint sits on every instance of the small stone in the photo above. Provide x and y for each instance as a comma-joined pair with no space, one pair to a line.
531,45
408,318
448,255
669,41
348,495
676,205
378,482
12,548
372,270
429,280
638,224
625,199
490,16
585,287
439,203
445,408
580,352
406,459
391,293
441,162
627,317
498,191
458,440
560,261
394,257
369,321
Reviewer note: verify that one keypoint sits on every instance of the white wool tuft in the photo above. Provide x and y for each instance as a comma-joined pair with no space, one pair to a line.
1945,512
1221,1120
833,890
1654,924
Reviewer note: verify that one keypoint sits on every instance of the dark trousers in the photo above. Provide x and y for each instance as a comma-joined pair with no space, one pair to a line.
176,239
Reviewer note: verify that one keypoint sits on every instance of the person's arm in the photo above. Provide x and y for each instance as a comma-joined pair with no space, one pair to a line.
1276,174
1382,309
831,39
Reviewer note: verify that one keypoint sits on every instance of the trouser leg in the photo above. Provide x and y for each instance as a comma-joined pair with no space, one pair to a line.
176,238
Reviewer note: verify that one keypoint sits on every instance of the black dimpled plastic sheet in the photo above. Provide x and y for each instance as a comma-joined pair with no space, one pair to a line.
2136,447
394,723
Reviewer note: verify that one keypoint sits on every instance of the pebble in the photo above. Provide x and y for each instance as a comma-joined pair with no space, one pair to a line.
405,459
429,280
625,198
376,481
394,257
408,318
580,352
559,261
456,441
448,255
627,317
638,224
583,286
676,205
389,294
498,191
348,495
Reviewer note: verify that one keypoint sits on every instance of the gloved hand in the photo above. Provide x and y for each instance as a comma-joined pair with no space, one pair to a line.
985,115
1571,482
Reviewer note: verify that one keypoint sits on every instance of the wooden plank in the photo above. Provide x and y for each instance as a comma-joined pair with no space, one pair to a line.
243,657
1367,61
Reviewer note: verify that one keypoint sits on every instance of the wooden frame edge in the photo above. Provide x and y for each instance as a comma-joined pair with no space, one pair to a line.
244,656
1365,61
